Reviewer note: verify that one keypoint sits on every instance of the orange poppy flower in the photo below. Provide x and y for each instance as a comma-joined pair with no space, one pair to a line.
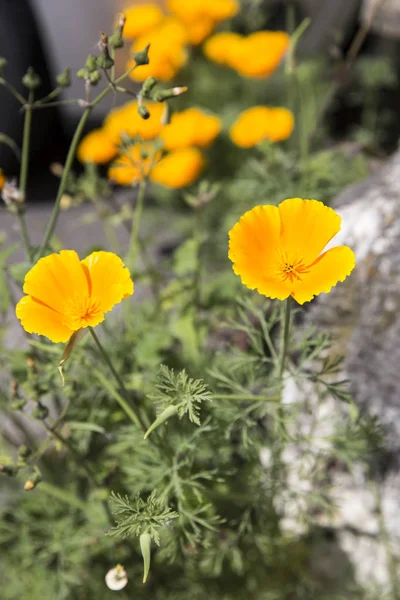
190,127
178,168
96,147
279,251
126,120
66,294
130,168
2,179
141,19
259,123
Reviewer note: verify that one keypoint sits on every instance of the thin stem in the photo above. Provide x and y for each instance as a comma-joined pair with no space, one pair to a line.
285,337
130,411
199,266
68,164
133,243
23,175
56,92
10,88
246,397
55,103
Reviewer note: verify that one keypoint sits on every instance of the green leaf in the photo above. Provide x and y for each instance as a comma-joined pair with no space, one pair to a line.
186,257
19,270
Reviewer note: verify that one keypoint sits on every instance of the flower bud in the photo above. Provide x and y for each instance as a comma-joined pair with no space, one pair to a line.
104,61
116,579
162,417
10,470
94,77
18,404
162,95
116,40
145,548
142,56
64,78
91,63
3,64
32,482
24,452
144,112
148,86
31,79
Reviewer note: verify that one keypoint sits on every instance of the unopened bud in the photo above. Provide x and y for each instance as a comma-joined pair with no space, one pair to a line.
31,79
65,202
104,61
64,78
145,548
144,112
18,404
94,77
10,470
148,86
91,63
12,195
33,481
142,56
116,578
3,64
168,412
116,40
162,95
57,170
24,452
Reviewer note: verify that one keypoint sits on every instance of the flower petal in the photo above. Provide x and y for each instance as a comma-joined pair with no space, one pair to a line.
253,249
110,280
307,227
56,278
38,318
330,268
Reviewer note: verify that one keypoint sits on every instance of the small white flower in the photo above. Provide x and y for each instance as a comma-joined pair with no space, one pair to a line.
116,578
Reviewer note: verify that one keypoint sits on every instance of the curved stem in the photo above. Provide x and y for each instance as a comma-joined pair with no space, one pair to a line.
129,410
23,176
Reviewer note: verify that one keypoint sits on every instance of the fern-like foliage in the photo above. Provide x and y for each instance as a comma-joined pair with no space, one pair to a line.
138,516
181,391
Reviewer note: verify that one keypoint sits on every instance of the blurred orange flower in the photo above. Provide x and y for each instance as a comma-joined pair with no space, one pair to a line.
65,294
277,250
2,179
191,127
141,19
202,16
167,54
178,168
96,147
126,120
259,123
134,164
257,55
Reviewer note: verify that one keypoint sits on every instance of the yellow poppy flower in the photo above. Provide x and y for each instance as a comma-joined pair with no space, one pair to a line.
277,250
260,54
65,294
167,54
218,10
96,147
220,47
178,168
2,179
198,30
257,55
191,127
259,123
126,120
130,168
141,19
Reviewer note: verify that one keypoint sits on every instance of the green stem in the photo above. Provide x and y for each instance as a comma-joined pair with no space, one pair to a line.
246,397
285,337
199,266
63,496
23,175
131,412
134,241
12,91
68,164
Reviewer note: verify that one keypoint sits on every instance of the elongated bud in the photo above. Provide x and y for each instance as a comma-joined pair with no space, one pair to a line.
145,548
91,63
3,64
148,86
31,79
142,56
168,412
144,112
64,78
161,95
33,481
116,40
72,342
104,61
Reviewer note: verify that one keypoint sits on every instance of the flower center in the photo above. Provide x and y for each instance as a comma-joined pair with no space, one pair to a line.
292,269
82,312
